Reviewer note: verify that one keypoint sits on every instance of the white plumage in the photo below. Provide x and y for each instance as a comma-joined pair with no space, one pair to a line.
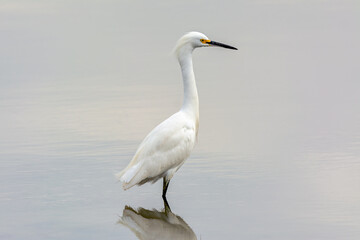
162,152
167,146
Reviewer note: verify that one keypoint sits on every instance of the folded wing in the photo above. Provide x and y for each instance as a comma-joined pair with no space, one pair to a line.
165,148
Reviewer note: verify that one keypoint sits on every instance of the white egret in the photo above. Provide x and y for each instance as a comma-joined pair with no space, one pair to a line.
165,149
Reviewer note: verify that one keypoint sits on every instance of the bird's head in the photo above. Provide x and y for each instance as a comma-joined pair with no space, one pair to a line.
193,40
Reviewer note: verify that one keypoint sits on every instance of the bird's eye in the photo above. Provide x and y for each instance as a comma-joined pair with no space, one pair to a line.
202,40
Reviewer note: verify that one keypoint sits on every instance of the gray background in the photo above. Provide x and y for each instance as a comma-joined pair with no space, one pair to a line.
82,82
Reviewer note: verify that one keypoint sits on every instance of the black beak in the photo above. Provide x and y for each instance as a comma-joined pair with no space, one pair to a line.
221,45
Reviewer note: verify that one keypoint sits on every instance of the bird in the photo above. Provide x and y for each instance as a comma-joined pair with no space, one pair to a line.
165,149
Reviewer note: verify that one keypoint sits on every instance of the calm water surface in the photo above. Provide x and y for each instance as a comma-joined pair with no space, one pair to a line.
278,155
57,173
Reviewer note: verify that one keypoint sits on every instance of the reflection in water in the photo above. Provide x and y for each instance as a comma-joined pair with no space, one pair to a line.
151,225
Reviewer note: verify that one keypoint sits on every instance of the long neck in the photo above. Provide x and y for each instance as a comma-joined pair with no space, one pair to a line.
191,99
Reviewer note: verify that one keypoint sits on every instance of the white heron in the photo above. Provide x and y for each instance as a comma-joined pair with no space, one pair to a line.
165,149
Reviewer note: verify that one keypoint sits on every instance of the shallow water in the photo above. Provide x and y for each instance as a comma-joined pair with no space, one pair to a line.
278,155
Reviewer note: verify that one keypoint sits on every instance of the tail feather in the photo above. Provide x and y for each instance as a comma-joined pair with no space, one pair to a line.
127,175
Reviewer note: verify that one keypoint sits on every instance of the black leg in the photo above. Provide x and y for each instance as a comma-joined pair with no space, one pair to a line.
166,206
165,187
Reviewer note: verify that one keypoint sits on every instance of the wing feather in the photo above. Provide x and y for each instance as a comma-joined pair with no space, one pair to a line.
165,147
